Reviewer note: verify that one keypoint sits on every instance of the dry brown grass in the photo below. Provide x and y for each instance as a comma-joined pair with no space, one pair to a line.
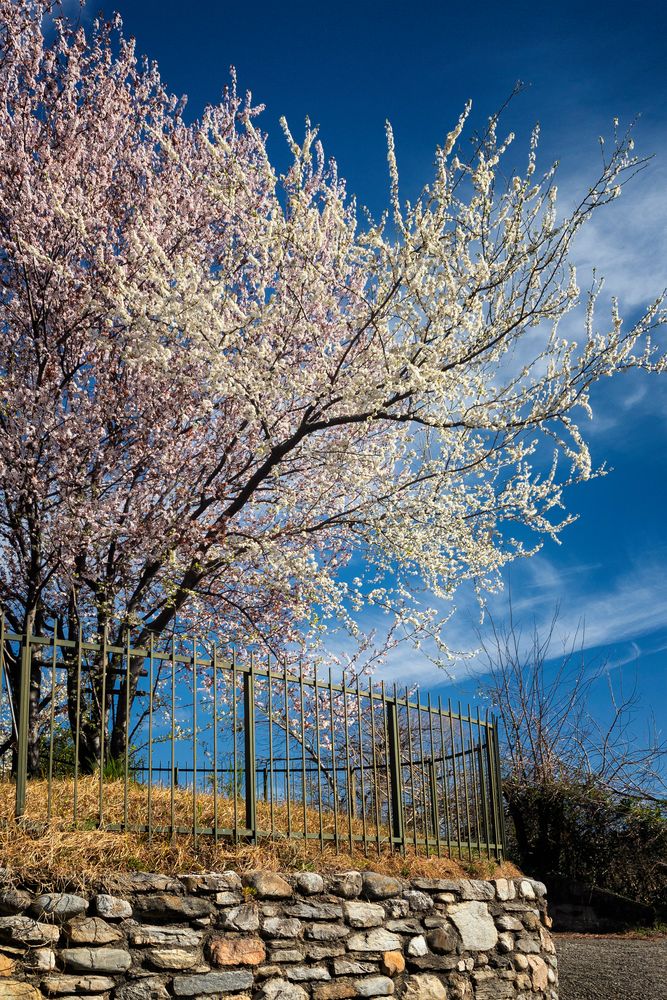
58,853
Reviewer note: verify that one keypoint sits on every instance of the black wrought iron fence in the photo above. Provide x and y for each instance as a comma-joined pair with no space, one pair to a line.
234,747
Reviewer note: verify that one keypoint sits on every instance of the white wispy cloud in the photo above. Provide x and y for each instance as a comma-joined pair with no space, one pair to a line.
627,241
621,618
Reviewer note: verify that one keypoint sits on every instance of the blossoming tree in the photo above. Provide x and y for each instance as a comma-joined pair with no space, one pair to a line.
216,386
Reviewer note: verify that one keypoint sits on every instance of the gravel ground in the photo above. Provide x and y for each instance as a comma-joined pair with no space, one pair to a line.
611,968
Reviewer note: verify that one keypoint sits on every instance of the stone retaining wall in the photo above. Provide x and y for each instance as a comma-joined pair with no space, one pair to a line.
272,937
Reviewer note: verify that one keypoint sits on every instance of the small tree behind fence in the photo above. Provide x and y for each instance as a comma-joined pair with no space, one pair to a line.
241,748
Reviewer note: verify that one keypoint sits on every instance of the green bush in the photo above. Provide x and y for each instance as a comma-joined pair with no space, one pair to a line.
584,832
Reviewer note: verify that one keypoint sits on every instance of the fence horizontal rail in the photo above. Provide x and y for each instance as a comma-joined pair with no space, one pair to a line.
181,739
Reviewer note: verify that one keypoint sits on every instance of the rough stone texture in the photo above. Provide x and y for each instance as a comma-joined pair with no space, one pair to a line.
143,989
165,906
77,984
307,973
309,883
314,911
424,987
347,884
14,901
112,907
179,937
214,882
282,989
442,940
475,925
396,908
526,889
96,959
375,940
92,930
41,959
269,937
243,918
318,951
438,885
225,951
340,990
13,989
28,932
443,963
380,886
59,906
286,954
363,914
172,958
7,965
282,927
343,967
268,885
326,932
212,982
393,963
131,882
419,902
374,986
417,946
505,889
539,972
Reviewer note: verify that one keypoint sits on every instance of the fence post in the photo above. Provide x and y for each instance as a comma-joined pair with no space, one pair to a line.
23,728
395,777
249,745
498,793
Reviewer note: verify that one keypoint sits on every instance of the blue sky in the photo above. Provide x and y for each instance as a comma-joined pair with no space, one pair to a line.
349,66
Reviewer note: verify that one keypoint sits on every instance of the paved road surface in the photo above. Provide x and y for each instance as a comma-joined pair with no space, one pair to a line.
612,968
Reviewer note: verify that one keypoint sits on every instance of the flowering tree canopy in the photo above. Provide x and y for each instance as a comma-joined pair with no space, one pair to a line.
217,386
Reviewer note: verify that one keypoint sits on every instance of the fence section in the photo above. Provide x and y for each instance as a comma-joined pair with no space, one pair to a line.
185,740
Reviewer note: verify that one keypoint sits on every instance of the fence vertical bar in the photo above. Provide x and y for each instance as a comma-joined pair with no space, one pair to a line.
434,782
465,781
23,729
445,779
483,785
454,776
215,743
385,729
128,681
498,795
52,719
423,771
319,759
172,784
476,781
361,768
303,755
234,747
249,748
270,707
2,674
103,721
2,662
347,767
287,753
395,773
150,737
194,740
77,727
333,760
375,767
412,771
